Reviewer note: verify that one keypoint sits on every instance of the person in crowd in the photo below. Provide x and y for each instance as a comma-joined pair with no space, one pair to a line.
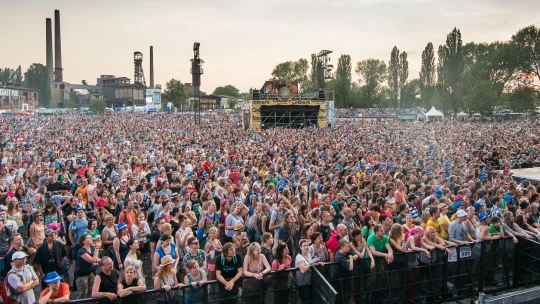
37,231
141,232
318,248
131,284
56,290
369,226
165,278
87,256
132,258
195,253
16,244
332,244
51,257
195,278
345,259
22,279
303,262
106,283
120,248
282,261
229,270
213,250
255,268
167,248
509,224
266,247
240,239
237,212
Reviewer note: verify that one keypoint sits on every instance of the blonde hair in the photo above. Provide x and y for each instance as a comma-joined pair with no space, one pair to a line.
165,271
165,227
130,268
428,230
214,229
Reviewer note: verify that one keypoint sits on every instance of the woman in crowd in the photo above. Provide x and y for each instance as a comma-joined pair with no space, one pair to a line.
167,248
87,256
92,228
14,213
109,232
510,226
255,268
303,262
213,251
432,241
131,283
369,227
240,239
318,248
195,278
141,232
120,248
223,215
165,278
37,231
282,261
522,224
359,247
132,258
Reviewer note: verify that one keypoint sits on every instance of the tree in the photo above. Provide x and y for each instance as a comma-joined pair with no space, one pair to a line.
174,93
403,74
427,75
312,85
372,73
98,105
37,78
528,41
481,97
292,71
17,75
10,75
450,68
393,75
74,99
523,99
343,79
227,90
409,94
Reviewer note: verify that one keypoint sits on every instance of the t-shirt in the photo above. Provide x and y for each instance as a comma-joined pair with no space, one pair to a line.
435,225
380,245
277,217
443,219
493,230
457,231
325,231
229,269
83,267
80,227
343,261
18,279
50,262
232,219
62,291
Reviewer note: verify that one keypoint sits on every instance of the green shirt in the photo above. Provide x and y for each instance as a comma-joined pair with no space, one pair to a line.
338,211
378,244
493,230
367,233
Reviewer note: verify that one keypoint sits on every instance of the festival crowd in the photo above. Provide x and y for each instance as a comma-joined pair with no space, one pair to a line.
104,195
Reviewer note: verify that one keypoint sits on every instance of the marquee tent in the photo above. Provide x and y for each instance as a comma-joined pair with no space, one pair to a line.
433,114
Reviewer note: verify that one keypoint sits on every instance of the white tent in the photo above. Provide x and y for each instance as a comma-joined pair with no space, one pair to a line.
433,114
462,114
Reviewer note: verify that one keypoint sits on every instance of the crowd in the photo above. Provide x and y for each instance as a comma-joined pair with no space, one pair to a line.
374,112
104,195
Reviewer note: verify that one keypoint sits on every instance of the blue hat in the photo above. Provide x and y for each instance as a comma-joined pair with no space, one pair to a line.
523,180
205,174
1,218
381,169
319,187
97,164
190,175
280,189
156,171
482,216
234,166
52,277
225,163
296,168
429,172
116,179
508,197
362,165
477,205
83,162
438,193
369,170
285,181
121,226
78,209
219,170
458,204
390,165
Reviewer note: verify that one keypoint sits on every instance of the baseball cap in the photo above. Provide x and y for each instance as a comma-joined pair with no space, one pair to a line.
49,232
156,171
19,255
461,213
438,193
79,209
458,204
442,206
477,205
482,216
411,196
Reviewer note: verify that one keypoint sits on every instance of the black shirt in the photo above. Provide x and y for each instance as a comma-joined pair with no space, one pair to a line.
343,261
229,269
268,254
325,231
154,236
50,259
109,283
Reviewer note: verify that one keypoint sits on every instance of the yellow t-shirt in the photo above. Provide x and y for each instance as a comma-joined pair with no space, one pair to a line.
443,219
435,225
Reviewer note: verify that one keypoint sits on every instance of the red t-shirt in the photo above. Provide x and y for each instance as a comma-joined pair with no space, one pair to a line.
62,291
333,242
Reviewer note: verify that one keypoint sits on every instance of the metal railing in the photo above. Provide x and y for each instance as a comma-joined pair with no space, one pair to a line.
486,267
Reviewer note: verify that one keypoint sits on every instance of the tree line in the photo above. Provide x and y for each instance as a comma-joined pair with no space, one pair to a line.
473,77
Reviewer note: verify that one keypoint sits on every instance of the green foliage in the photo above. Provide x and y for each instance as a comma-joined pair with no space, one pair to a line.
37,77
410,93
481,98
174,93
451,67
522,100
528,52
372,73
312,85
343,81
398,72
74,99
98,105
9,75
227,90
427,76
292,71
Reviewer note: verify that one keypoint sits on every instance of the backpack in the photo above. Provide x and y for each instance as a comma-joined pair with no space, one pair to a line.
7,293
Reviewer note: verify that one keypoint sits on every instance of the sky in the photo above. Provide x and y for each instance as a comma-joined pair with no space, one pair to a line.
242,40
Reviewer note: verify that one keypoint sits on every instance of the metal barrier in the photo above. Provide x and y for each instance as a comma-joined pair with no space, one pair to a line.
486,267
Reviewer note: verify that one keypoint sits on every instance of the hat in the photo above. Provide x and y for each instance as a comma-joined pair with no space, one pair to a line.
156,171
48,194
116,179
280,189
458,197
83,162
205,174
174,195
296,168
508,198
523,180
438,193
166,260
442,206
19,255
238,226
121,226
234,166
458,204
53,226
461,213
190,175
477,205
52,277
123,180
223,201
411,196
79,209
483,216
49,232
412,187
225,164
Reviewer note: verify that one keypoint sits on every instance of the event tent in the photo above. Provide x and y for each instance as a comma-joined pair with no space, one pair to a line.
462,114
433,114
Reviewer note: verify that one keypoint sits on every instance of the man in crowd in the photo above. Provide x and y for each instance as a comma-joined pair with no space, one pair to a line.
51,257
22,279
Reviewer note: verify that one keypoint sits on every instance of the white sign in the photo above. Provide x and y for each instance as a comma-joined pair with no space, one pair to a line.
9,92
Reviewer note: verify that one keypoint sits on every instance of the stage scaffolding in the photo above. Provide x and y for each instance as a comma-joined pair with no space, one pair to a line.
289,116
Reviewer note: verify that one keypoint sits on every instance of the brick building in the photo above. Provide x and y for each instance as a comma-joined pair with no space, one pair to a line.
13,96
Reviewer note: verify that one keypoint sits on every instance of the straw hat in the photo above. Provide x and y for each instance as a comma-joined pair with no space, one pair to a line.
166,260
238,226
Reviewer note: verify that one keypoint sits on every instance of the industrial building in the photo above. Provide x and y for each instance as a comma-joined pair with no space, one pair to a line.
13,97
119,91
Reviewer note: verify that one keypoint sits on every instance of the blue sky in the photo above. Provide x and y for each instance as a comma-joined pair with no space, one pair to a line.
241,41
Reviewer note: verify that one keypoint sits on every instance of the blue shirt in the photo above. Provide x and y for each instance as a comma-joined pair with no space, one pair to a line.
83,267
80,227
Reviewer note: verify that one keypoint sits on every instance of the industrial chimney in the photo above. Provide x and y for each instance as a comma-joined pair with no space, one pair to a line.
48,48
58,77
151,66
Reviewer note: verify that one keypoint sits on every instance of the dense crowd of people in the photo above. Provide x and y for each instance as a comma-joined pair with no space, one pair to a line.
104,195
374,112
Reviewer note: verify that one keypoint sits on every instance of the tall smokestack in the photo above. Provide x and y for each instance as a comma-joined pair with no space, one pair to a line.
58,77
151,66
48,48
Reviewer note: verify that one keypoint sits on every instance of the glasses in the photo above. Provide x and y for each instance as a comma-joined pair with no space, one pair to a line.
195,243
108,264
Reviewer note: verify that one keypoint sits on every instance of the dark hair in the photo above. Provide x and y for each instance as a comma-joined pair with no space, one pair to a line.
354,233
266,236
130,242
190,240
314,236
382,218
279,252
165,237
90,222
433,210
367,218
402,207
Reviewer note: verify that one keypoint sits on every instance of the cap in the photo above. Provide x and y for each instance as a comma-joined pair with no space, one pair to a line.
441,206
83,162
461,213
49,232
477,205
79,209
523,180
458,204
121,226
116,179
483,216
458,197
156,171
1,218
438,193
205,174
123,180
280,189
48,194
19,255
411,196
52,277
